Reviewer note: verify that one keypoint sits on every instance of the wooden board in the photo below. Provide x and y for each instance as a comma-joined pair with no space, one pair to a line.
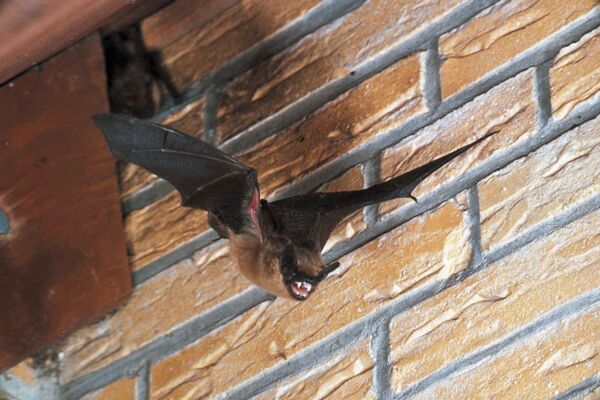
33,30
64,261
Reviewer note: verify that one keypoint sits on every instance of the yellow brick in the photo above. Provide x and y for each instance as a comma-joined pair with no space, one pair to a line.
24,371
594,395
575,76
372,108
155,308
123,389
324,56
161,227
540,367
421,251
508,107
190,120
225,36
499,34
548,181
495,302
345,377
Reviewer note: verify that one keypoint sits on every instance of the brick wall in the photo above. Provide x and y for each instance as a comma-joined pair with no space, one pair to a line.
488,287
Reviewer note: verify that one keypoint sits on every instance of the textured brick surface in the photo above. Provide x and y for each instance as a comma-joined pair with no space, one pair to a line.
24,371
329,53
424,249
550,180
157,306
190,120
507,108
540,367
123,389
593,395
373,107
575,76
347,376
236,29
178,19
161,227
507,295
499,34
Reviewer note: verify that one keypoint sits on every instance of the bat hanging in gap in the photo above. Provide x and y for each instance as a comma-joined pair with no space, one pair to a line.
277,245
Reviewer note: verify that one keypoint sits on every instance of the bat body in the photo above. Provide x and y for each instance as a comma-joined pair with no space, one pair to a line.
277,245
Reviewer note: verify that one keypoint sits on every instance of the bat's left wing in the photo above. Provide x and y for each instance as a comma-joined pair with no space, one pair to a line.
205,177
308,220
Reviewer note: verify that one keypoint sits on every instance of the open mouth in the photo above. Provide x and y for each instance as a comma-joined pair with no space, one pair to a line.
301,290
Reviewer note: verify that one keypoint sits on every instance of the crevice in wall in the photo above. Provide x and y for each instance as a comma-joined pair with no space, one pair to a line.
543,94
137,81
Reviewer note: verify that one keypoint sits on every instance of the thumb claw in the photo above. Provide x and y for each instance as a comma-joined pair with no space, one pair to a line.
414,198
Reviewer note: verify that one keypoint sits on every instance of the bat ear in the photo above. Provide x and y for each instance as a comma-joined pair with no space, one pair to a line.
328,269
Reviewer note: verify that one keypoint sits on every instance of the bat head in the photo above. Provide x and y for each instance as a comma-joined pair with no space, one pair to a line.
279,267
299,284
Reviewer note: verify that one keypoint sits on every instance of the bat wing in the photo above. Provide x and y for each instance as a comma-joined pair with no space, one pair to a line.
205,177
308,220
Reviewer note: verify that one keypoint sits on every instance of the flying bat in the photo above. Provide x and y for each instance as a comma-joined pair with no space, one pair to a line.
277,245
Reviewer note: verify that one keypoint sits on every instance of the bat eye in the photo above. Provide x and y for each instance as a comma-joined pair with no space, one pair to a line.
288,262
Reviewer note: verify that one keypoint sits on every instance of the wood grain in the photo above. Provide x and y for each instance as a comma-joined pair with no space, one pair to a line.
64,260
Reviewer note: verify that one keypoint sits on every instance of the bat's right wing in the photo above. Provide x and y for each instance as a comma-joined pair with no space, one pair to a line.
205,177
308,220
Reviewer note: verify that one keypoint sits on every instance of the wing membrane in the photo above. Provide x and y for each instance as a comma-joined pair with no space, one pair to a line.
205,177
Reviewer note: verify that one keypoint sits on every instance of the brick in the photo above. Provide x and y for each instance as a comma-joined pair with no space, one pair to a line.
233,31
180,18
25,371
574,75
160,228
190,120
374,107
500,33
322,57
540,367
593,395
491,304
550,180
123,389
156,307
422,250
508,107
346,376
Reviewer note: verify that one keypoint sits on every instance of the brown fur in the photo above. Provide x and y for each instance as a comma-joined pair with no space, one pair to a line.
259,262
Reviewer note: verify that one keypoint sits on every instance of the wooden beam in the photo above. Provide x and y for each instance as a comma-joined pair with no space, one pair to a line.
33,30
63,261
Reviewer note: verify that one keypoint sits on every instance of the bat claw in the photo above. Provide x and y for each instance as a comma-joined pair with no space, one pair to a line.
414,198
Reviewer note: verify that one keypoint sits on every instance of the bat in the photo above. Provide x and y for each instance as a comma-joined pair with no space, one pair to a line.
276,245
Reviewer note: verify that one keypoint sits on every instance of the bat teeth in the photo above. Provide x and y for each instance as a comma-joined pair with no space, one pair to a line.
301,289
